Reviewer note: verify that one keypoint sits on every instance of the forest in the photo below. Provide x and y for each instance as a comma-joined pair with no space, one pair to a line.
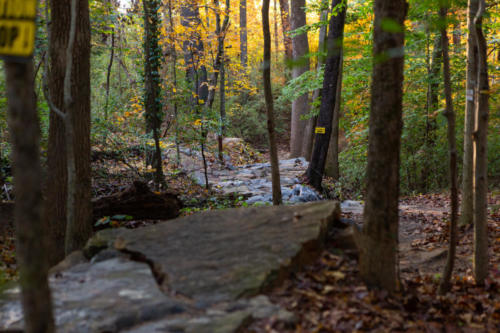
249,166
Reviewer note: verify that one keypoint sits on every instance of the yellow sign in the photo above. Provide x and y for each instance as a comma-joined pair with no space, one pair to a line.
17,27
319,130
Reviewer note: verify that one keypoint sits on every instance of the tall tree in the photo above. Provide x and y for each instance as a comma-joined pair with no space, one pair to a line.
332,168
266,73
322,49
196,71
152,84
243,34
466,208
480,139
328,94
432,106
285,25
378,240
30,233
56,187
300,65
452,151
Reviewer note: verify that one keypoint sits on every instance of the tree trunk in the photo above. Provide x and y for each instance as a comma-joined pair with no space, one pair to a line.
108,74
31,243
276,39
452,151
285,25
378,241
432,106
300,106
467,202
243,34
196,72
152,82
480,138
311,123
266,71
328,95
332,158
57,177
174,77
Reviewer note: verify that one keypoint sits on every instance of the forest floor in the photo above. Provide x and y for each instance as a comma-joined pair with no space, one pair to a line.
329,295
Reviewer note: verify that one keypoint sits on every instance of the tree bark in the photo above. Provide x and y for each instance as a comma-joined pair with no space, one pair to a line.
266,72
243,34
31,243
445,284
108,74
328,96
152,82
467,202
300,106
57,177
311,123
285,25
480,139
378,241
332,158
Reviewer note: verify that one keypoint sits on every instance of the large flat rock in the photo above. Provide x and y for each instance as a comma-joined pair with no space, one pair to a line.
200,273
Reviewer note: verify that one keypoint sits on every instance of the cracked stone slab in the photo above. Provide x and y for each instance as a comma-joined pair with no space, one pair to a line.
200,273
223,255
107,296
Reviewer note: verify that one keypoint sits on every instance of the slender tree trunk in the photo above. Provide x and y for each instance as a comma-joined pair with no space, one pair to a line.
480,138
152,82
108,74
328,95
266,72
332,158
243,34
276,39
452,151
285,25
56,187
222,110
378,241
300,106
467,202
311,123
31,245
174,77
434,79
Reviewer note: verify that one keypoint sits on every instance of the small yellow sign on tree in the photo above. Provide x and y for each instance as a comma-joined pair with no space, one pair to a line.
320,130
17,27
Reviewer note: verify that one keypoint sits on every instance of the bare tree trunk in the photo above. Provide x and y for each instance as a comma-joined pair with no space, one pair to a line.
332,158
174,77
56,187
311,123
328,95
480,138
285,25
31,245
300,106
432,106
452,151
108,74
378,241
266,72
243,34
467,202
276,39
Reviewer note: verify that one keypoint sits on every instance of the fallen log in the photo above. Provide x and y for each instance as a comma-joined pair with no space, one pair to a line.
139,202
